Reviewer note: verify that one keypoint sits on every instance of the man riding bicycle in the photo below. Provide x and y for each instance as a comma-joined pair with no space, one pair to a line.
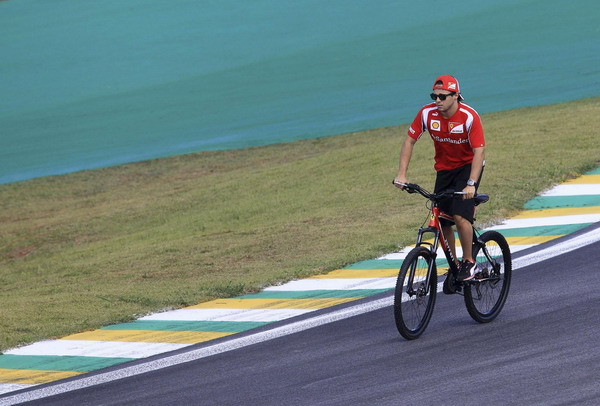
459,143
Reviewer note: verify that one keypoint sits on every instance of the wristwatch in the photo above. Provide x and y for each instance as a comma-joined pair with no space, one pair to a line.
471,182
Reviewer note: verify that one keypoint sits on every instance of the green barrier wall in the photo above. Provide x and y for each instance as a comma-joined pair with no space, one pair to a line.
87,84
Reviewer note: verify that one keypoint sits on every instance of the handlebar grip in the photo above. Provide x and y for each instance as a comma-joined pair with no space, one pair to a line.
408,187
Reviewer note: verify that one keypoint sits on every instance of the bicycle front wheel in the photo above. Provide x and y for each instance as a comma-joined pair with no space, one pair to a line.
415,294
486,294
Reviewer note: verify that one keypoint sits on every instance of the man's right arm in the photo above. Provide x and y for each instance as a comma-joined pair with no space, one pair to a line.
405,155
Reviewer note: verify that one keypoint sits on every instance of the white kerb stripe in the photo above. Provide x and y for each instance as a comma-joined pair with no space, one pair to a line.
549,221
440,252
84,348
335,284
574,190
235,343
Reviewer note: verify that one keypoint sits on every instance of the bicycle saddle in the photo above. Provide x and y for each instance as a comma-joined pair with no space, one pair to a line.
481,199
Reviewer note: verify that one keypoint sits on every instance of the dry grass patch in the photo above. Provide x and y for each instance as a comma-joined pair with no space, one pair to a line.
97,247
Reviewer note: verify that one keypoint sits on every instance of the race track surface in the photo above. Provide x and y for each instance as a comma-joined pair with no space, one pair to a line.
541,350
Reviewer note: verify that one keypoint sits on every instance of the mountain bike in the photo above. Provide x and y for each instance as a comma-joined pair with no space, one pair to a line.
416,287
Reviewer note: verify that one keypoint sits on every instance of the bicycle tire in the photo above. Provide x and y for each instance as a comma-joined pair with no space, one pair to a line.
486,294
412,311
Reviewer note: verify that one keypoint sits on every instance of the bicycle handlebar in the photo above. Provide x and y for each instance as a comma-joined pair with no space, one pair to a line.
414,188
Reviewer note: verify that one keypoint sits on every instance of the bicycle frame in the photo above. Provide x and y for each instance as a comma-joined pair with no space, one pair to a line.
416,285
435,227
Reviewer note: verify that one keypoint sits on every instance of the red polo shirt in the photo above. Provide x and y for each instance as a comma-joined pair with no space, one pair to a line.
454,138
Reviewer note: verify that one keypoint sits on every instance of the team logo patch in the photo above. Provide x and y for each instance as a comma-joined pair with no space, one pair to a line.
451,86
434,125
456,128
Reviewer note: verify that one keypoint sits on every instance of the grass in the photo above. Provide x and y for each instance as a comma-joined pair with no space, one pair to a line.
93,248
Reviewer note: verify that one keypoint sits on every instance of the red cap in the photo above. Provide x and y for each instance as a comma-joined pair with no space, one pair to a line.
449,83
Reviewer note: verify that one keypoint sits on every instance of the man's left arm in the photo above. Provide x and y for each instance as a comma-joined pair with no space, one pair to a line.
476,168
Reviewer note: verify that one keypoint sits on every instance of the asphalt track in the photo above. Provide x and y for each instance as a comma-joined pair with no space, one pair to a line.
542,349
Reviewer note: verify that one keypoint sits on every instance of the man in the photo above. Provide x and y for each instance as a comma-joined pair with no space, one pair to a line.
459,160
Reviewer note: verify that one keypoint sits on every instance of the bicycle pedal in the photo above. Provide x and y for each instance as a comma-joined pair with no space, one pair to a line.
450,285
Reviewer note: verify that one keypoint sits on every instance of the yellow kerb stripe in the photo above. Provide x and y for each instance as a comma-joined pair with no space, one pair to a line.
148,336
356,273
270,303
533,240
33,377
584,180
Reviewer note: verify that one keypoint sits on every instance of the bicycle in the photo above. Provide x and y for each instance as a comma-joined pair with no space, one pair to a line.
416,286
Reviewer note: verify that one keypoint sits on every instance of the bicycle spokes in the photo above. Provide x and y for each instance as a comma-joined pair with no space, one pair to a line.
415,293
416,286
486,293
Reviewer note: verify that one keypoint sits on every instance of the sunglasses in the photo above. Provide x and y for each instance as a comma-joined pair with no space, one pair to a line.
442,97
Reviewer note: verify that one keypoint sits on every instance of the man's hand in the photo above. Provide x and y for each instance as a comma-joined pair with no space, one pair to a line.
400,179
469,192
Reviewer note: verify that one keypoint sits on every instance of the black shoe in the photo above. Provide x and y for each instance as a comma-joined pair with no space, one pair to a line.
449,284
467,271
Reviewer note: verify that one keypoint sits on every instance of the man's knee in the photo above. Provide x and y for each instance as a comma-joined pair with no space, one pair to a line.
460,221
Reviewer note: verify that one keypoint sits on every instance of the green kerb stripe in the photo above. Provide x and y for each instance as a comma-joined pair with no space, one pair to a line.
555,202
58,363
543,230
558,230
170,325
376,264
314,294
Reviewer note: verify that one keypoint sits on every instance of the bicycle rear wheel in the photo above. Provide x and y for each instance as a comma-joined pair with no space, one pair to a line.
486,294
414,298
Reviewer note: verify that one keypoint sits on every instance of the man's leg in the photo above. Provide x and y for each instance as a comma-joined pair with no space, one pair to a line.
468,268
449,234
465,235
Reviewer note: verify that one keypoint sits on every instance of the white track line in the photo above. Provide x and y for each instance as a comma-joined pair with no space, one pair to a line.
240,342
12,387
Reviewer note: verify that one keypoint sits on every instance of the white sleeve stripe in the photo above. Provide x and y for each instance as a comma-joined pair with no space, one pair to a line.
469,122
424,116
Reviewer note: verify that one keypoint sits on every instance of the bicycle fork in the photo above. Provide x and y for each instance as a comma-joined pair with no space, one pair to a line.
423,290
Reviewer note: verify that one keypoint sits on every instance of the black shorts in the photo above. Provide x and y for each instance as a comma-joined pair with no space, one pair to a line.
456,179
